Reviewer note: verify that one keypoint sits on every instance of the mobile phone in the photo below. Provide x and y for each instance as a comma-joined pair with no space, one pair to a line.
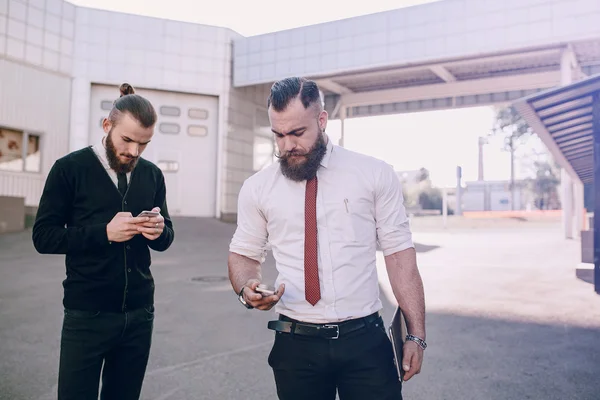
265,289
149,214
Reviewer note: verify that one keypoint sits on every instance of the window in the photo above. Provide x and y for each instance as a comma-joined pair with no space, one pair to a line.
168,166
19,151
197,130
168,127
170,111
106,105
197,113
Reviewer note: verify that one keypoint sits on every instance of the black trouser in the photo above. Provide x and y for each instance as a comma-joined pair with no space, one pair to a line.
120,341
360,365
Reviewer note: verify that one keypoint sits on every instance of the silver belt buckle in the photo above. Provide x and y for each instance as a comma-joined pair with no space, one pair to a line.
337,328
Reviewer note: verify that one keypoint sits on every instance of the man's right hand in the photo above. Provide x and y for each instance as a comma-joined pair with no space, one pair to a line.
256,299
123,227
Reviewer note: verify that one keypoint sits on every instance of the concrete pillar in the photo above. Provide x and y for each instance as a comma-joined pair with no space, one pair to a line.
578,203
566,185
458,190
342,118
567,65
445,206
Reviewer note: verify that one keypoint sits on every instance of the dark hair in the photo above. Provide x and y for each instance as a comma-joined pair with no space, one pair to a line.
134,104
283,91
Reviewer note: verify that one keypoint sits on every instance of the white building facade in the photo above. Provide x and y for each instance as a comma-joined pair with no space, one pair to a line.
61,65
60,68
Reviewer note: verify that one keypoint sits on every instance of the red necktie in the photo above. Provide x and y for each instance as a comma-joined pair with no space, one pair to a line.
311,265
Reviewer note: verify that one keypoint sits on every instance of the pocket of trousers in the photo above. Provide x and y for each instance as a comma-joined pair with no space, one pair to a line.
81,314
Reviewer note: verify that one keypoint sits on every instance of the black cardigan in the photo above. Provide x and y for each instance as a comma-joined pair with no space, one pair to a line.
78,202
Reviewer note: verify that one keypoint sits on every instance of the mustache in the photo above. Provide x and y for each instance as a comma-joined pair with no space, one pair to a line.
291,154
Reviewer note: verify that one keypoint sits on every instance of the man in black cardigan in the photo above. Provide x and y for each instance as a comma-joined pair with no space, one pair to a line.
89,211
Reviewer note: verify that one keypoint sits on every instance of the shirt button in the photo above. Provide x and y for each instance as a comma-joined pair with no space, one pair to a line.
126,202
128,247
128,269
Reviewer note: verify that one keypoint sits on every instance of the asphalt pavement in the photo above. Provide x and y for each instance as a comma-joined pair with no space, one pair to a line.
508,318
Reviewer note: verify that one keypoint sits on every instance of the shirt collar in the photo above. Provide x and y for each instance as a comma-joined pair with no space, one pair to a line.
327,156
101,152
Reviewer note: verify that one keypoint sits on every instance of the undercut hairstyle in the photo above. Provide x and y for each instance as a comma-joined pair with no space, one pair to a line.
137,106
285,90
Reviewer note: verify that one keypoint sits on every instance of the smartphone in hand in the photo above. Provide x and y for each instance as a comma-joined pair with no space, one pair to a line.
149,214
265,290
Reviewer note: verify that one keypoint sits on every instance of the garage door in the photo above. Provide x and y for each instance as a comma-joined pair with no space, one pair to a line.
184,145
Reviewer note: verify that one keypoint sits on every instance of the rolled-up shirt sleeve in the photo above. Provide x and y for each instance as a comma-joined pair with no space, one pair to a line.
250,237
393,226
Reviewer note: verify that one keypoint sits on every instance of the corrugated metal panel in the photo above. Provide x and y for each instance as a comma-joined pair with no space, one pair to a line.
37,101
562,118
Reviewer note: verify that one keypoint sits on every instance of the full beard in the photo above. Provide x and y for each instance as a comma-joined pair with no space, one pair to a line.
307,169
113,159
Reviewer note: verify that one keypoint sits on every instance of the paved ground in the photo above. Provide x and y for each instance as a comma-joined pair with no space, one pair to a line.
507,318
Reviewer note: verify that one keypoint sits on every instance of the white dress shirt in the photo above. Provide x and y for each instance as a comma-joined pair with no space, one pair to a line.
359,205
100,150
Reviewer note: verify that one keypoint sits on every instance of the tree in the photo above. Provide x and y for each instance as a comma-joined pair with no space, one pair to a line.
423,175
516,131
544,185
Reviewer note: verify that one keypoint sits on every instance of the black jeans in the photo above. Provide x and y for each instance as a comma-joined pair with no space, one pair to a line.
359,365
120,341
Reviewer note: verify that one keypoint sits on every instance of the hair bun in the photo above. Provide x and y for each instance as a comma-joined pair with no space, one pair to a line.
126,89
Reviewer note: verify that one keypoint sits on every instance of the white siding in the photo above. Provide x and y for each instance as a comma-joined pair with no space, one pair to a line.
38,101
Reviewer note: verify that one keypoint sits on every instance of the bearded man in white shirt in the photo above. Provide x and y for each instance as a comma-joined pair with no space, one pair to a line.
324,210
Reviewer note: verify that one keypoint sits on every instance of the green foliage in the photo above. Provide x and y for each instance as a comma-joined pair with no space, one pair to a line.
544,185
512,126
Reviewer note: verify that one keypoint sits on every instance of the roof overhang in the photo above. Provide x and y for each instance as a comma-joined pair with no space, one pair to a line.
486,79
563,118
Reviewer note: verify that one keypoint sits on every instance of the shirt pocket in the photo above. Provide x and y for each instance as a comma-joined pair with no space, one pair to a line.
349,220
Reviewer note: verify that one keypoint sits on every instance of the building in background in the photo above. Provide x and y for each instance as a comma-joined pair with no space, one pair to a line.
60,69
61,65
494,196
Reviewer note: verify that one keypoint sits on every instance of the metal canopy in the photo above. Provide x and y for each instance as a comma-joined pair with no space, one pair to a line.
484,79
563,119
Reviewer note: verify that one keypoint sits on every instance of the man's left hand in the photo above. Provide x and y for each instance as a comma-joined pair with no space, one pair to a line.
154,227
412,359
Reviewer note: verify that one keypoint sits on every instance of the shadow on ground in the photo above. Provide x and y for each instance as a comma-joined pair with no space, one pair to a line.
425,248
475,358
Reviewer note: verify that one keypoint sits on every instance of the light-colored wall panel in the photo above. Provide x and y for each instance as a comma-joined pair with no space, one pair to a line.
39,102
429,32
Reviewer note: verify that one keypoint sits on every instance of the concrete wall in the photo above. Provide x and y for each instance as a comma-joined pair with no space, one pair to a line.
112,48
12,217
54,51
36,47
35,101
38,32
434,31
247,120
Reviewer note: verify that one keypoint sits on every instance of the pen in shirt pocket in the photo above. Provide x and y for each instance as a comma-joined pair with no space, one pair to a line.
346,203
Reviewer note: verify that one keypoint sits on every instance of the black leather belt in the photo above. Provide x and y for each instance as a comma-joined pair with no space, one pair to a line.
325,331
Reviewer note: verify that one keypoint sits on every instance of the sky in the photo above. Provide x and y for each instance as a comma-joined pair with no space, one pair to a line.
438,141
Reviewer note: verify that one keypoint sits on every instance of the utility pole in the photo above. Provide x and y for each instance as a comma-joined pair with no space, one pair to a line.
512,172
482,141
